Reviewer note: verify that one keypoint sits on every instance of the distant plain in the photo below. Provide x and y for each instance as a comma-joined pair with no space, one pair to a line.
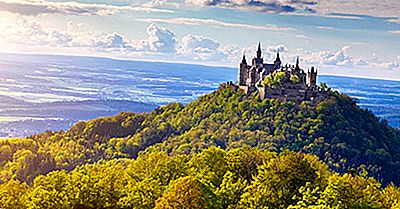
43,92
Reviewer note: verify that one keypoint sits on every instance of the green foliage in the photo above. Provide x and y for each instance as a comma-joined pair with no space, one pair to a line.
209,166
274,79
13,195
323,86
230,190
186,192
294,78
288,180
278,182
336,130
226,142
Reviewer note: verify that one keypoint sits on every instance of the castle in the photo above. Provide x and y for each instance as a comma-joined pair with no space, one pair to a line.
287,83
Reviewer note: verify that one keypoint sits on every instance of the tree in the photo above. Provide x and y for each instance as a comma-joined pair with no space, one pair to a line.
188,193
278,182
141,195
51,191
324,86
274,79
13,195
230,191
294,78
209,166
243,162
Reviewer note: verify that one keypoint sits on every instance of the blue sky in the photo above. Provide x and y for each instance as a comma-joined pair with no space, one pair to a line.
342,37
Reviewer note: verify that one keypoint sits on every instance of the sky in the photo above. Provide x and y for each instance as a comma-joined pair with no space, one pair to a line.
341,37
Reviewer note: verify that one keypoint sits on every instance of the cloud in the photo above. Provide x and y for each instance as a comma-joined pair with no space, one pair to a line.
201,48
57,38
277,48
39,7
109,42
159,40
340,57
382,8
395,32
163,44
23,31
215,23
394,20
301,36
327,8
193,43
259,5
325,28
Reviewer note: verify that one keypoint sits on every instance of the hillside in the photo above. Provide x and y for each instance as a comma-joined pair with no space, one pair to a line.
336,130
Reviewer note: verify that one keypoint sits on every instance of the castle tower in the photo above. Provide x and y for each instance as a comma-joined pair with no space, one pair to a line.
243,71
297,67
277,61
251,78
258,60
259,52
312,77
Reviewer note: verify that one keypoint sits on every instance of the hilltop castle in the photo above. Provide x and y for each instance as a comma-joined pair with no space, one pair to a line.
288,82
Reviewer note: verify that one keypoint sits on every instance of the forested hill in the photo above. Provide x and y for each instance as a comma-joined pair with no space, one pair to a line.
336,130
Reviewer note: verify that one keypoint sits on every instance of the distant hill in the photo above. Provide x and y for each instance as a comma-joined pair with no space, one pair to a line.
336,130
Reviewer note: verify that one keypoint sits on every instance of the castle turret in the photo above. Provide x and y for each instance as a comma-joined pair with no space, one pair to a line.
244,59
251,78
259,53
312,77
258,60
277,61
297,67
243,71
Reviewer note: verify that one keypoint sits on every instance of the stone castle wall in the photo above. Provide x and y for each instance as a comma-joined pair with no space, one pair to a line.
296,93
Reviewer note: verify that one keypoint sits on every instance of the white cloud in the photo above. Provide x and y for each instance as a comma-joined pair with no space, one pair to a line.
215,23
277,48
201,48
39,7
301,36
163,44
22,31
341,57
193,43
25,32
325,28
113,41
159,40
57,38
394,20
395,32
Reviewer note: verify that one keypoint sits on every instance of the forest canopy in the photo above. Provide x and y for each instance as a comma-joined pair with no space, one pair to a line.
214,178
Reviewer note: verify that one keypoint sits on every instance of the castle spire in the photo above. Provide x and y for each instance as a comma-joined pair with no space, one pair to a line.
278,59
259,50
244,59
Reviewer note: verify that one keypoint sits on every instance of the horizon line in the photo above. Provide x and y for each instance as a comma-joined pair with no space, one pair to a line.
181,63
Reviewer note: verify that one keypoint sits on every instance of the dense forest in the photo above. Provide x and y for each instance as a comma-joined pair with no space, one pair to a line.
98,155
241,178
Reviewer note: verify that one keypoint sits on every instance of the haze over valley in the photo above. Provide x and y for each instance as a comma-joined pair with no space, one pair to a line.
42,92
